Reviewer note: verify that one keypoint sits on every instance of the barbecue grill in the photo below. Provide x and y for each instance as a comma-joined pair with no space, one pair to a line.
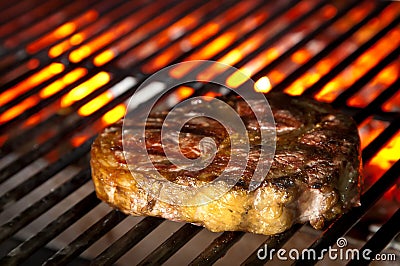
69,68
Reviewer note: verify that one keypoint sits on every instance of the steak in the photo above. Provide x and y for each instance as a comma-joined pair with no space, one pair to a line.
314,175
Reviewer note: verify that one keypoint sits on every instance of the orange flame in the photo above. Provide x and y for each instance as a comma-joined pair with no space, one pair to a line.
114,114
184,92
85,88
378,84
34,80
360,67
385,158
18,109
262,85
369,130
60,84
95,104
62,31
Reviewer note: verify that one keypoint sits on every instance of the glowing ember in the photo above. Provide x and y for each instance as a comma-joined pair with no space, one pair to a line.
107,96
85,89
382,161
18,109
393,104
78,140
114,114
377,85
389,154
104,57
34,80
360,67
95,104
62,31
60,84
262,85
369,130
184,92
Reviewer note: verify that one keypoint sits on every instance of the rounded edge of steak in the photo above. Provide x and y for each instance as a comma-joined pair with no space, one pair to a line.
315,174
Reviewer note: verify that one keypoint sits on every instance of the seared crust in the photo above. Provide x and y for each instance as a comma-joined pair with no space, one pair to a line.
315,173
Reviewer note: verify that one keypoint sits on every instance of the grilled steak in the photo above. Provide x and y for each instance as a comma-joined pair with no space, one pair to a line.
314,176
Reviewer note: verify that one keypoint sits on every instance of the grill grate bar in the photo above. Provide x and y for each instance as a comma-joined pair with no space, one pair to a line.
86,239
43,205
136,67
342,225
10,10
274,16
121,54
54,97
35,153
16,141
42,9
57,226
327,50
372,148
342,98
163,252
380,239
223,243
73,8
127,241
353,56
64,57
376,104
300,43
217,248
271,40
273,242
103,8
36,180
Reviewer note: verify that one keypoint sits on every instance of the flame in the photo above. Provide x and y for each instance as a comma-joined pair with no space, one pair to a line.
300,85
370,129
237,78
234,56
211,94
104,57
204,33
301,56
60,84
86,88
78,140
18,109
95,104
159,40
276,76
262,85
114,114
62,31
34,80
377,85
388,155
119,30
393,104
184,92
33,63
182,69
364,63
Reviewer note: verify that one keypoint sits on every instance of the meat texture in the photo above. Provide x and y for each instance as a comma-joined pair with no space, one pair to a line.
314,176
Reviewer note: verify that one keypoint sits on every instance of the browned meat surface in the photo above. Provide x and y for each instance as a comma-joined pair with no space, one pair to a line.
315,173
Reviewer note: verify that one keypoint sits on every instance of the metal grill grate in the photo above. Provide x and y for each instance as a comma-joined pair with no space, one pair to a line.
346,53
